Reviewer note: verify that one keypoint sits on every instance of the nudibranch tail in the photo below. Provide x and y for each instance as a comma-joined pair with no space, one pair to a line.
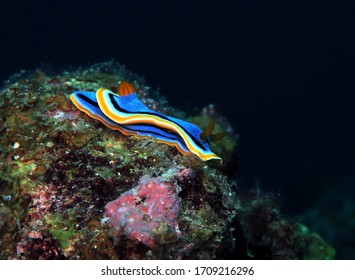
126,113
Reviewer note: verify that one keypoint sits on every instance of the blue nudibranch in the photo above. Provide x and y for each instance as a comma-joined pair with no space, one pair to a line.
126,113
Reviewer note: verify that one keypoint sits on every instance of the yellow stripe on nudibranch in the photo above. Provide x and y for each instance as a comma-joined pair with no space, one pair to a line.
117,116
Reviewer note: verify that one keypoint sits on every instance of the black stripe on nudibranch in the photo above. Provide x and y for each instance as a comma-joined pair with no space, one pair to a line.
88,100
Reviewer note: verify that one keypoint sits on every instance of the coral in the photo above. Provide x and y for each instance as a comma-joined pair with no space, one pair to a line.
147,213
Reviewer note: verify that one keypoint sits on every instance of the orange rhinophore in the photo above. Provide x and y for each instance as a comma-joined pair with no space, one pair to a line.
125,88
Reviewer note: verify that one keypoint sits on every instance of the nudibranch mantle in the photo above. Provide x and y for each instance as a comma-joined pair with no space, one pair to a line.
127,114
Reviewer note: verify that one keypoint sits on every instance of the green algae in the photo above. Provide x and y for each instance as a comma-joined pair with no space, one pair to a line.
25,175
210,187
62,228
104,172
314,246
203,225
23,169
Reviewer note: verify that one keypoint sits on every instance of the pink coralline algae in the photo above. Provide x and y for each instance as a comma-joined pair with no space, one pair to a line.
147,213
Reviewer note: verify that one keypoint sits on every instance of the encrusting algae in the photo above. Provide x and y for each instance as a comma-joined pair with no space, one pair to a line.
65,178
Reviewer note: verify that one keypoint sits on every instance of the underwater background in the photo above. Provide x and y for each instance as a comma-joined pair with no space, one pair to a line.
281,73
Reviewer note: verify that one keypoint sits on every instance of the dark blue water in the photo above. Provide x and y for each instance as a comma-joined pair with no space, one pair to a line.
283,73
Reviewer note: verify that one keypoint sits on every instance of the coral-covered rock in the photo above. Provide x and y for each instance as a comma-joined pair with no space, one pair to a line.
63,174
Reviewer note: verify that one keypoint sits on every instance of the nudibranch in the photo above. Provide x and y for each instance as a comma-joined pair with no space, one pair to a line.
126,113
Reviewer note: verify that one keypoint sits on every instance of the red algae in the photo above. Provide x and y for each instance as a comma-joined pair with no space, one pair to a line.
141,212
